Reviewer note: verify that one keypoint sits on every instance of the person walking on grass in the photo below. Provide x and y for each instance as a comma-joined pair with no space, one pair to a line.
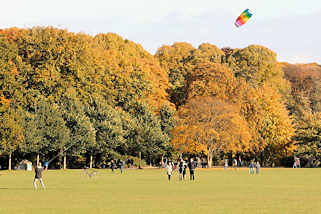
121,166
184,169
235,164
295,162
191,167
180,169
251,171
240,161
225,164
257,166
113,165
169,170
38,176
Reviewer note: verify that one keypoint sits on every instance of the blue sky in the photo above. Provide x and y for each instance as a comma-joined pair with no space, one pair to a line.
291,28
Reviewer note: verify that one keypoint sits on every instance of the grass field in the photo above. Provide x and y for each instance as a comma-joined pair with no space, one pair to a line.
148,191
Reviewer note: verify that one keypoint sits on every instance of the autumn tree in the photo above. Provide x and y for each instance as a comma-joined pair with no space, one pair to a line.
131,73
210,125
216,80
258,65
304,104
11,96
269,120
305,87
179,60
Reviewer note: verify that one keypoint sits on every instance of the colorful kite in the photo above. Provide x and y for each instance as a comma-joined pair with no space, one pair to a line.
243,18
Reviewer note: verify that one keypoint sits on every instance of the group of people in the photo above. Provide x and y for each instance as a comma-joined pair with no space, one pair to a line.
181,166
170,166
235,163
255,165
119,163
239,163
296,163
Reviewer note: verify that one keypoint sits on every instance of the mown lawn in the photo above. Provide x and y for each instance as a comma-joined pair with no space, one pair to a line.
148,191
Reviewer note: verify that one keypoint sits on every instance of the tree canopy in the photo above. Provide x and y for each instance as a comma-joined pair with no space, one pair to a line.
106,97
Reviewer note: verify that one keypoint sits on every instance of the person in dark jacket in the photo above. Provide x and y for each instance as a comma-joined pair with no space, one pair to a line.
38,176
182,169
191,167
112,165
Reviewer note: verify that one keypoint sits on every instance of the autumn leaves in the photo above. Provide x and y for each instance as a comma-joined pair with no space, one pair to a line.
107,87
228,101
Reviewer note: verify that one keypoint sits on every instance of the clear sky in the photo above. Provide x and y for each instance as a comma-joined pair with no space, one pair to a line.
289,27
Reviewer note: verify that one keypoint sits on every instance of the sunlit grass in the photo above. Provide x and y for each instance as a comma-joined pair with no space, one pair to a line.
148,191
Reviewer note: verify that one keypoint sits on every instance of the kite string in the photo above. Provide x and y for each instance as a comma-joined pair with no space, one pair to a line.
60,153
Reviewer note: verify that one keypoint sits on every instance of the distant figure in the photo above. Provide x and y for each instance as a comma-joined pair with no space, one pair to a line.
185,165
129,162
251,171
46,165
191,167
169,170
225,164
121,166
295,164
298,163
235,164
240,161
257,166
112,165
180,169
38,176
196,162
204,163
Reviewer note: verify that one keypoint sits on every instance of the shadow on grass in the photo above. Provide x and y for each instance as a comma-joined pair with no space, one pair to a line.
15,188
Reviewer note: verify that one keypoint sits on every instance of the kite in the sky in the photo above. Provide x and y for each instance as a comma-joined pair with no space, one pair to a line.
243,18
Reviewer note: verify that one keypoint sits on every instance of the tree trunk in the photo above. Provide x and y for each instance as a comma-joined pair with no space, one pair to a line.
91,161
209,158
9,161
140,160
150,162
65,160
60,157
38,159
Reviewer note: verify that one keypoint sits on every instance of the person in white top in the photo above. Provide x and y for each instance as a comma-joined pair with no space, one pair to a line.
169,170
225,164
235,164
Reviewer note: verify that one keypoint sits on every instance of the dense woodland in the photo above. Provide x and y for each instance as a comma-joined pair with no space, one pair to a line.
92,99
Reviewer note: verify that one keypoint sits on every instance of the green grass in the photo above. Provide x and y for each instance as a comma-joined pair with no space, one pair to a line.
148,191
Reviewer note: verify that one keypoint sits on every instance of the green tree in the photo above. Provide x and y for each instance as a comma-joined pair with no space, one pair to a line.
108,124
46,130
145,133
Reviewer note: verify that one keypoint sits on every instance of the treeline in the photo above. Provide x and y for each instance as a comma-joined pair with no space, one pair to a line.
93,99
101,97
